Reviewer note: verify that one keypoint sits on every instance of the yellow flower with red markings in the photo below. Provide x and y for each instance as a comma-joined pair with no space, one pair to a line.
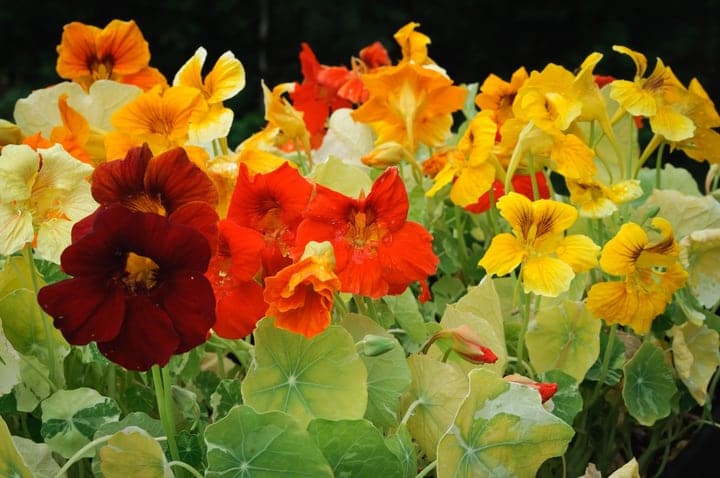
549,260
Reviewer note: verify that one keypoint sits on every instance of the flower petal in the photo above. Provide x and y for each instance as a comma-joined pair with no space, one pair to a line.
503,256
546,276
188,300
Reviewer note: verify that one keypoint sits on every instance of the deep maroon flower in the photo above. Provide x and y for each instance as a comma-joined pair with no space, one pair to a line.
138,288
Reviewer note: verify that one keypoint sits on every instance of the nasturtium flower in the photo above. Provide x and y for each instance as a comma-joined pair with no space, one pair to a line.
159,117
317,96
272,204
413,45
225,80
704,144
597,200
43,194
283,118
168,184
549,260
117,52
650,274
300,296
137,288
377,250
498,95
410,104
659,97
232,273
468,165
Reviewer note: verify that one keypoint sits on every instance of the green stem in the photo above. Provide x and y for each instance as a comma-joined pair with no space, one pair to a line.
425,471
410,411
187,467
605,366
533,179
163,394
462,248
525,313
658,165
43,317
79,454
360,305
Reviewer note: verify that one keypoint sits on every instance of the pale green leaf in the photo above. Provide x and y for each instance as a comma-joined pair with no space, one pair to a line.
436,391
11,462
677,179
133,452
388,373
321,377
347,140
9,365
696,356
70,418
566,338
631,469
404,308
401,444
247,444
38,458
342,177
354,448
700,256
685,213
648,387
501,429
34,385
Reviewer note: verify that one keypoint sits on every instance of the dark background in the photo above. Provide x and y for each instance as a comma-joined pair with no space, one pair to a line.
470,39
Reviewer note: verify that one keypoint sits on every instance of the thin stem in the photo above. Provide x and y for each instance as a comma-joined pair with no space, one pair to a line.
658,165
163,394
410,411
533,179
605,366
425,471
43,317
187,467
525,313
79,454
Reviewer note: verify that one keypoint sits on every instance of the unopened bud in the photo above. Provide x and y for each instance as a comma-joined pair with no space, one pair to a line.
374,345
385,155
546,389
466,343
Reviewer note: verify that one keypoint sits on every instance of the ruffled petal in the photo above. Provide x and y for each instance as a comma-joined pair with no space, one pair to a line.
546,276
176,180
620,253
503,256
579,251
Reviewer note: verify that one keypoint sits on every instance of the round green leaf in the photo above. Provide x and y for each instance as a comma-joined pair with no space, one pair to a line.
249,444
11,463
354,448
38,458
226,395
388,373
436,391
322,377
133,452
565,337
402,446
501,429
71,417
649,387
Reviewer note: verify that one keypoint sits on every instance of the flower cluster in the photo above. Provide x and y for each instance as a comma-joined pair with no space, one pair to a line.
457,271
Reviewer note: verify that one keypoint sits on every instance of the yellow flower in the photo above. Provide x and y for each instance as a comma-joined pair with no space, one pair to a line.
44,193
286,121
413,44
650,272
159,117
704,144
549,259
498,95
659,97
595,199
468,165
410,104
225,80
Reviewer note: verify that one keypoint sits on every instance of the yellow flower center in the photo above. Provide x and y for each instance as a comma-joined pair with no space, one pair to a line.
140,273
363,229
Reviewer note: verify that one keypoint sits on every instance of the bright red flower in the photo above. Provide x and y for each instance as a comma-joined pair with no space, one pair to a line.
374,56
138,288
317,95
377,250
231,272
168,184
271,204
521,184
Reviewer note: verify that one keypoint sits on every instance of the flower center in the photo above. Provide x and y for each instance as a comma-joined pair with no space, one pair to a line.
140,273
101,69
363,229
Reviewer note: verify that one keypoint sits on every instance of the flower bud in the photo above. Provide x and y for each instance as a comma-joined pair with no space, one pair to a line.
386,155
546,389
374,345
465,343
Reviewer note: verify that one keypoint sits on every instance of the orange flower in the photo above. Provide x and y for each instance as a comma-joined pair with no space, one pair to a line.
410,104
117,52
300,296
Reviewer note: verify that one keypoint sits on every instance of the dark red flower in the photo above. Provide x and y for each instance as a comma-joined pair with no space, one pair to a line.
271,204
168,184
377,250
137,289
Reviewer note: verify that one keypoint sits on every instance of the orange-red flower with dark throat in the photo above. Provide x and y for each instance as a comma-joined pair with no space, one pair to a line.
377,250
271,204
117,52
137,289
